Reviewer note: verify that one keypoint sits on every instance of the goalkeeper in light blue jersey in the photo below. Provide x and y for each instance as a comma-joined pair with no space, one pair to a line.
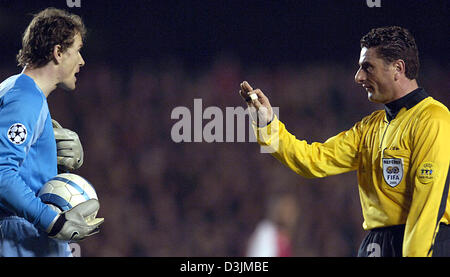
29,153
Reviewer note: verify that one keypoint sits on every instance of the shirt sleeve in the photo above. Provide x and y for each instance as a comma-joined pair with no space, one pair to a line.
339,154
18,118
430,156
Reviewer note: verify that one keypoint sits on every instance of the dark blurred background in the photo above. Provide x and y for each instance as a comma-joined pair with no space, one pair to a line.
144,58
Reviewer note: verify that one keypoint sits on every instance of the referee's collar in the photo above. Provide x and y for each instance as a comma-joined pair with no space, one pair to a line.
408,101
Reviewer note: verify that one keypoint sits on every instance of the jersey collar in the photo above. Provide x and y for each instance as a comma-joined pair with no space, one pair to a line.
408,101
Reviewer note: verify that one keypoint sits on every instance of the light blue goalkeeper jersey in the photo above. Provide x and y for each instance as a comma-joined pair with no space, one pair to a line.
27,150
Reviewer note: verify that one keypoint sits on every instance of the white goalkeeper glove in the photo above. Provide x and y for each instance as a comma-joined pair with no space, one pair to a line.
77,223
69,149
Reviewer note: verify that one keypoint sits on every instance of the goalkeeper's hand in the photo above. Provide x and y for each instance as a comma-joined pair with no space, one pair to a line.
259,106
69,149
77,223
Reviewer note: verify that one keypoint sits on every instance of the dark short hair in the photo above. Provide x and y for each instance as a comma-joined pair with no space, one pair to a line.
393,43
48,28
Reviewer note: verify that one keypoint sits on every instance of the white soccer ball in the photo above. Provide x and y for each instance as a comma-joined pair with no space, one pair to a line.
65,191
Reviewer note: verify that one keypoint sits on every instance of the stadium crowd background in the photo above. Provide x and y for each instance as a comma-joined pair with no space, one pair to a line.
162,198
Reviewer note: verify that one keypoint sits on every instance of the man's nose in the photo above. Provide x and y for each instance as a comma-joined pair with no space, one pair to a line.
82,63
360,76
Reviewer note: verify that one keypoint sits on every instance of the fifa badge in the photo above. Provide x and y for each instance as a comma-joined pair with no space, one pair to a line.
393,171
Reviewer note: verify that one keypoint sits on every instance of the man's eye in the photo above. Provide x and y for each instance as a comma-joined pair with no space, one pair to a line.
368,68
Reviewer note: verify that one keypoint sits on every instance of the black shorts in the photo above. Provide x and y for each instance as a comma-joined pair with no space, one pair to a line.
388,242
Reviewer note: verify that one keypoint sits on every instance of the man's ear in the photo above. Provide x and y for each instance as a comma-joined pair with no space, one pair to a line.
57,54
400,69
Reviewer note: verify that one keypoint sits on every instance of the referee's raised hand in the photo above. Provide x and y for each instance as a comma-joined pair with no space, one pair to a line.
259,105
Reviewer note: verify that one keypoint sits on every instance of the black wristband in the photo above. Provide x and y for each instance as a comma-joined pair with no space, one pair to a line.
58,225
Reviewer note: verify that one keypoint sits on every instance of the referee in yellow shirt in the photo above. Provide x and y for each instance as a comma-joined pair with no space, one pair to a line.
401,153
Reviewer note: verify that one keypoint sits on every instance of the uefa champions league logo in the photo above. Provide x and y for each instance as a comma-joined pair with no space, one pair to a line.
17,133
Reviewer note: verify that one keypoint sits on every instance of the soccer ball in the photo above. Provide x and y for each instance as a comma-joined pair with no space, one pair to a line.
65,191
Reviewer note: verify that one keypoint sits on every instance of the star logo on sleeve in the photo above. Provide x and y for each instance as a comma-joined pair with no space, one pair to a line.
17,133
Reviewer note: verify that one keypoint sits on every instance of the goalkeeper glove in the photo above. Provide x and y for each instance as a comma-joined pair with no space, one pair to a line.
69,149
77,223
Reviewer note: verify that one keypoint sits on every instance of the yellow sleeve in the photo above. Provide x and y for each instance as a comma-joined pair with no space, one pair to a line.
430,155
338,154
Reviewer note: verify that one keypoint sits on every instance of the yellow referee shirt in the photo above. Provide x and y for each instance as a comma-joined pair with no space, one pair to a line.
402,165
